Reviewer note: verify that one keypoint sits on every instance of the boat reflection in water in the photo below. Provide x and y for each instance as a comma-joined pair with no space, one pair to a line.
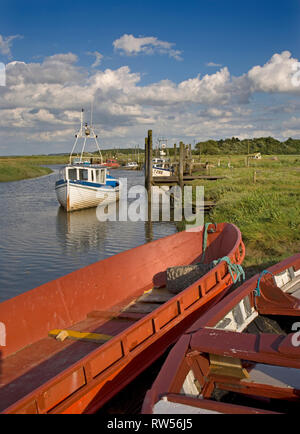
80,231
85,239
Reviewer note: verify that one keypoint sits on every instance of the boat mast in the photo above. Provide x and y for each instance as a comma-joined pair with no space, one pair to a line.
86,132
162,147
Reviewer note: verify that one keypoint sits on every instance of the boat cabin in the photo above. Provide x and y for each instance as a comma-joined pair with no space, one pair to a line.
160,162
92,174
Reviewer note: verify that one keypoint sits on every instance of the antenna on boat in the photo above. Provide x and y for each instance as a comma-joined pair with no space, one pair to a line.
85,132
81,120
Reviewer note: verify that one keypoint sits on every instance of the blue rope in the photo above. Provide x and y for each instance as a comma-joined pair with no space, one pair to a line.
232,268
205,234
257,289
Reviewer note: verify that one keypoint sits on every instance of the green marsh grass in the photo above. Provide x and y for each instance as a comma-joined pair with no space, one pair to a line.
18,168
265,207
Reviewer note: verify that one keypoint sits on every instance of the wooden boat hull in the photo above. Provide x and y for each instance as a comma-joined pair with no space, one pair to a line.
217,353
74,196
41,374
137,167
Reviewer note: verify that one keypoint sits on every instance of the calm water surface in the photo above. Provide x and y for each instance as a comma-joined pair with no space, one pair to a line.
40,242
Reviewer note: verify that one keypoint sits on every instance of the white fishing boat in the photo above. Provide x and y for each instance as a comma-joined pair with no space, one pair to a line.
161,165
131,165
86,183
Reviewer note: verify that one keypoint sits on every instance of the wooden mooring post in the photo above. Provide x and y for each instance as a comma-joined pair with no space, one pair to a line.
178,179
148,165
175,153
181,164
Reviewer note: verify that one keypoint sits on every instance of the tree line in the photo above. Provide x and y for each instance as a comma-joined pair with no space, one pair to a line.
264,145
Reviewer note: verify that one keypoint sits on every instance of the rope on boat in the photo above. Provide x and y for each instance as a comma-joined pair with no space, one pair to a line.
232,268
257,289
205,235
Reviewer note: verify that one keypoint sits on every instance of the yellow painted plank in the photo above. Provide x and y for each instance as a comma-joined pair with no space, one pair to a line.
227,366
61,335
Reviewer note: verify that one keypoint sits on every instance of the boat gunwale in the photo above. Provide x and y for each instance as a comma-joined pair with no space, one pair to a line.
118,255
211,318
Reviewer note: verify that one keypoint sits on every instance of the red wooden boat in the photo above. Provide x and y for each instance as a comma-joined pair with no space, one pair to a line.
73,343
112,163
224,360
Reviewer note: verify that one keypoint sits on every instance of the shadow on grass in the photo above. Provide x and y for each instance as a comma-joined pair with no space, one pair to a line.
251,270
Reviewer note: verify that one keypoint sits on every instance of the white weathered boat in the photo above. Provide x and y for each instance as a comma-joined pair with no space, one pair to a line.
85,184
161,166
131,165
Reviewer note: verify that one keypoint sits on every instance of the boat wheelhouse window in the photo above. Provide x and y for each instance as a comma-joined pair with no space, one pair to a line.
72,174
100,176
83,174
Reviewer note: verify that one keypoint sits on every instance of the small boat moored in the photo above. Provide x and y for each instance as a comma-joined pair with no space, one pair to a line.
131,165
86,186
112,163
161,167
161,164
234,359
85,183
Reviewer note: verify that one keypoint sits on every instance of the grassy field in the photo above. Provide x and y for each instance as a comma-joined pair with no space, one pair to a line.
263,200
17,168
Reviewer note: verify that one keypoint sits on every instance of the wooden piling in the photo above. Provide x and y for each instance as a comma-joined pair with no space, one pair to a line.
149,164
146,162
175,153
181,163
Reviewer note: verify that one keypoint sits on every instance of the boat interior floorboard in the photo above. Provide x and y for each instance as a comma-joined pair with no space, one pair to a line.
33,365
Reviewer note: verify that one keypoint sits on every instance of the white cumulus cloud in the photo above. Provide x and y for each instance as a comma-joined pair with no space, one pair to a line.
42,101
130,45
277,75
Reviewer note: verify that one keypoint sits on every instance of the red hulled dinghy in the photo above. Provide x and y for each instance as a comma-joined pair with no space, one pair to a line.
227,363
112,163
73,343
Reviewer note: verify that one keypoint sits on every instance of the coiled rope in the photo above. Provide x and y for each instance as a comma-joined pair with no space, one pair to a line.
232,268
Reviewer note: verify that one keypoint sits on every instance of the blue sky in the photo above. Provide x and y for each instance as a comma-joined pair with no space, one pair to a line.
144,50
